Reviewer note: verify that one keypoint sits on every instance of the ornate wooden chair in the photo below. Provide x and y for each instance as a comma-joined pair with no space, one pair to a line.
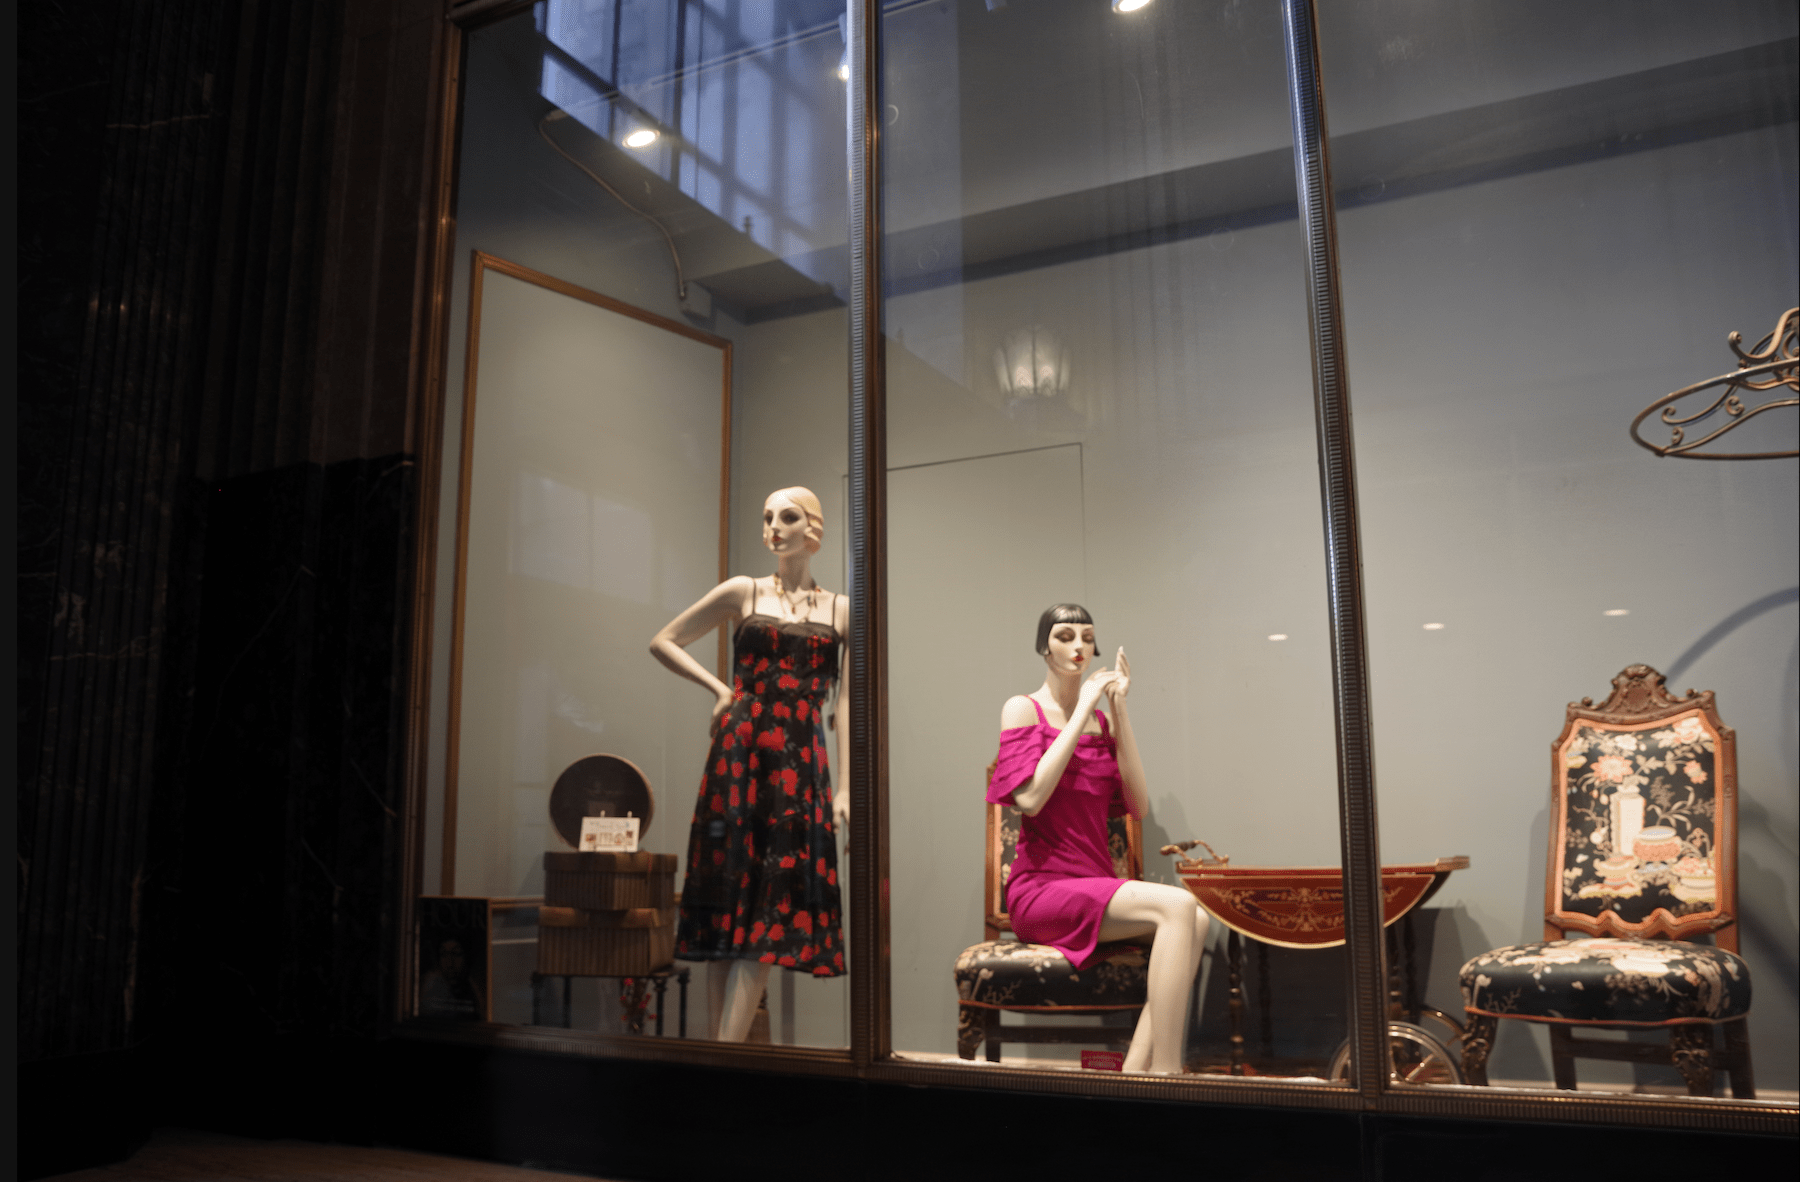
1005,975
1642,865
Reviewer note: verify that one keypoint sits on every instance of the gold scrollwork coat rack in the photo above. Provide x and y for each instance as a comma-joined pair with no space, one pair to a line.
1773,362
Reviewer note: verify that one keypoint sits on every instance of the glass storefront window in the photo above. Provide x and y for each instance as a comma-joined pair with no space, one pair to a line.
1099,393
1550,217
647,341
1098,390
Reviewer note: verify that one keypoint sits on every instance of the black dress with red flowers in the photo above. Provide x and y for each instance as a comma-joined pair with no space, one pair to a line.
762,857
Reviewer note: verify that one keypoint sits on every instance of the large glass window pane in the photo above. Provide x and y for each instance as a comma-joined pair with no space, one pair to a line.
1551,216
1100,393
648,334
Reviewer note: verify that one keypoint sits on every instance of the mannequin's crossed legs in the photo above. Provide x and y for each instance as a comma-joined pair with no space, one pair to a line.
1171,915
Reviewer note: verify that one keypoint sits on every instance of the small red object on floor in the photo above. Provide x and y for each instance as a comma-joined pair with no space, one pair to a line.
1103,1060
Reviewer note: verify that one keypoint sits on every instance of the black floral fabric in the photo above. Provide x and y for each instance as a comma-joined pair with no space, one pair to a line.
1639,819
1608,980
762,879
1010,974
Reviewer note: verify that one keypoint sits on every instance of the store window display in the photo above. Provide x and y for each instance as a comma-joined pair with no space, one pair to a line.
1094,298
646,325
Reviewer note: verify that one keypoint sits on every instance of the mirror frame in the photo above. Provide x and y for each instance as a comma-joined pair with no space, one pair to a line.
871,1054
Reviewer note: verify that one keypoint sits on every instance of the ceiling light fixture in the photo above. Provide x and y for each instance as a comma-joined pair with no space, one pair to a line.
843,70
1616,611
1278,636
1129,5
643,137
1434,627
1032,363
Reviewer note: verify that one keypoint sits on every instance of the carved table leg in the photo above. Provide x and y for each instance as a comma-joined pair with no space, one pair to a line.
1477,1044
1691,1048
1234,946
1414,1006
682,979
662,989
1396,992
1265,1012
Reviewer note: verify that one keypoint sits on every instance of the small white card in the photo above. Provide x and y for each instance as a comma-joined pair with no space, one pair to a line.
610,835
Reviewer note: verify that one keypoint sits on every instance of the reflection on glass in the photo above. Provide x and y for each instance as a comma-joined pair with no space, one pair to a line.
1549,217
650,339
1099,392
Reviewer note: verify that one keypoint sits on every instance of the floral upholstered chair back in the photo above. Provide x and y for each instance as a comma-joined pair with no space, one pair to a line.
1125,841
1644,803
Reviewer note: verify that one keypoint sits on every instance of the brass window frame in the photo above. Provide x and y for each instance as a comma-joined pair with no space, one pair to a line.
870,1055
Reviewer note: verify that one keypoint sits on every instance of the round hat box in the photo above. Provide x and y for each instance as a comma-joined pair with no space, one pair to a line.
598,785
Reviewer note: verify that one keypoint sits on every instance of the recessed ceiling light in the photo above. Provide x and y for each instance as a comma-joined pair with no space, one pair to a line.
1616,611
643,137
1128,5
1278,636
1434,627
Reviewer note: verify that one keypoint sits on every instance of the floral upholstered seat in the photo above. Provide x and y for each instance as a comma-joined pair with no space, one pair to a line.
1010,974
1002,974
1642,869
1609,980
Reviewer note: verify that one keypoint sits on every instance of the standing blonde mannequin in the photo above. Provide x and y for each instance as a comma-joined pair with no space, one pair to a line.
1067,770
761,887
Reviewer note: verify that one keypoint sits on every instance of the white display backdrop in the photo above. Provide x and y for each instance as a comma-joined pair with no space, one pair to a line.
591,515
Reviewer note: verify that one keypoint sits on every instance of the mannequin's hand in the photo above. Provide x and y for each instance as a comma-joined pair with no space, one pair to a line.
840,815
1121,683
721,706
1100,683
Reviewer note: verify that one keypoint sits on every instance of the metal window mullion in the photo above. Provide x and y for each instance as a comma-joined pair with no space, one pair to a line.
1358,833
871,1031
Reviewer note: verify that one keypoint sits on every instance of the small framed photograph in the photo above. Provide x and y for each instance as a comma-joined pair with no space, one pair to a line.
454,974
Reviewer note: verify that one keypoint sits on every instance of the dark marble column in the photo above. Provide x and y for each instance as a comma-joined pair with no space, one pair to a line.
226,272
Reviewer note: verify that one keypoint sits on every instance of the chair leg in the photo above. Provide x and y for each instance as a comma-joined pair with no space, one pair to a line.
1736,1059
1477,1044
993,1035
1562,1057
1691,1048
971,1028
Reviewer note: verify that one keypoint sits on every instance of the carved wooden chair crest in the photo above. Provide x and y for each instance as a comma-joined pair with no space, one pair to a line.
1005,975
1642,864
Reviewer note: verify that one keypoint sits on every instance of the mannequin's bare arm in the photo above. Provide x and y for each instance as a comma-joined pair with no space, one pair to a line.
1131,765
1018,712
840,788
725,603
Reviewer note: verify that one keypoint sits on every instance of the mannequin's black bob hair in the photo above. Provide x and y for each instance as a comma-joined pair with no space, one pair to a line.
1062,613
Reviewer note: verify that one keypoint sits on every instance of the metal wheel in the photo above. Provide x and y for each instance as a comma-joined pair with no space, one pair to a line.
1418,1057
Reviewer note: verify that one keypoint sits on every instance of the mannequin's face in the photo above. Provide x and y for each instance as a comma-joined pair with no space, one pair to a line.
1071,648
784,526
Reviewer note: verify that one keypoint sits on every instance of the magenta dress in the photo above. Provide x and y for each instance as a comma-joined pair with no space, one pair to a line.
1062,878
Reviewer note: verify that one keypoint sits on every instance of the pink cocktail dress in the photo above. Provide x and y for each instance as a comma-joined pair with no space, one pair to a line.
1062,878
